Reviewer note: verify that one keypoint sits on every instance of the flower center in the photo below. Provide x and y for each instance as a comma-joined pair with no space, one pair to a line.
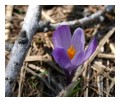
71,52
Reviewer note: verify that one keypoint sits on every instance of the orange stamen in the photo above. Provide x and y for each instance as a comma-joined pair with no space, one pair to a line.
71,52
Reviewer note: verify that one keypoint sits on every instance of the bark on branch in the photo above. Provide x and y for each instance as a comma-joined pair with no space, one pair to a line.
21,47
97,16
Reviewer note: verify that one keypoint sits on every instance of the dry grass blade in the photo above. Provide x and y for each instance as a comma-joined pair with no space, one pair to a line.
106,56
112,47
22,77
100,84
35,58
101,67
47,17
42,58
87,83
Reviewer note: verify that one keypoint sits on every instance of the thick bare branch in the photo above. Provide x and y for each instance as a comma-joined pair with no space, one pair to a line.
21,47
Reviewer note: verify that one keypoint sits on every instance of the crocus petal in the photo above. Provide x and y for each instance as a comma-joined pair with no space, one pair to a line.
62,37
78,39
79,58
91,48
61,58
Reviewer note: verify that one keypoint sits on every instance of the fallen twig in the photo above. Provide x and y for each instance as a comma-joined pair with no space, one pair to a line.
76,23
21,47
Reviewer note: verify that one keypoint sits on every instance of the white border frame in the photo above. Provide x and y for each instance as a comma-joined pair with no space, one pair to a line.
60,2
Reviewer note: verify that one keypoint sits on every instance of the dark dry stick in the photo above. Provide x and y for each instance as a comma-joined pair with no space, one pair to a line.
97,16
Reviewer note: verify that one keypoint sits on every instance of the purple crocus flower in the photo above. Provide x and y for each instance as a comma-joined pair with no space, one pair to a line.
69,51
